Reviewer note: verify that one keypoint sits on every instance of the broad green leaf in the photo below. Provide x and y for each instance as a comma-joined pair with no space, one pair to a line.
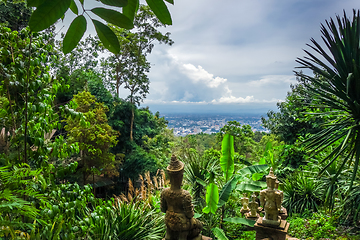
160,10
131,9
212,198
114,17
252,169
226,190
74,34
170,1
197,215
107,37
47,14
257,176
73,7
227,157
82,2
244,221
251,186
115,3
219,233
34,3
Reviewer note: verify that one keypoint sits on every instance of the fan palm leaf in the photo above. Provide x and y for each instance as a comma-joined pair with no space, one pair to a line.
336,86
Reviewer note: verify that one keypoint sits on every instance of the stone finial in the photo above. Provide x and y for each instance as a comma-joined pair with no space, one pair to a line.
175,165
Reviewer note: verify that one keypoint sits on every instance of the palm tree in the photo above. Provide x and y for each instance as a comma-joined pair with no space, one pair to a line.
335,89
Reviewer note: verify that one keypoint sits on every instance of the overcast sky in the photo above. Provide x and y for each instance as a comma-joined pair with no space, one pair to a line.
234,55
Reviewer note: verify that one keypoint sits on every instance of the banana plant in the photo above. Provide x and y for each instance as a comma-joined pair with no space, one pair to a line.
247,178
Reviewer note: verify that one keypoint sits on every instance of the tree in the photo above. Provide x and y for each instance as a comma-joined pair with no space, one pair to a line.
291,123
49,11
130,66
15,15
243,138
95,137
337,90
27,116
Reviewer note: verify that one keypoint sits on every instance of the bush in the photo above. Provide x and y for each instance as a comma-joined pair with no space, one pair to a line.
318,226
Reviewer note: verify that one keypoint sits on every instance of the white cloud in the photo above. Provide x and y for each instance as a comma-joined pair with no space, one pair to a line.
273,80
199,74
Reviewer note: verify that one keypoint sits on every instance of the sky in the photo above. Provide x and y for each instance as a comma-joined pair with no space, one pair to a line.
234,56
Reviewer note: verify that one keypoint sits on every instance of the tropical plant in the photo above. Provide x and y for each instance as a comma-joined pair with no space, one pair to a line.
301,193
335,89
94,135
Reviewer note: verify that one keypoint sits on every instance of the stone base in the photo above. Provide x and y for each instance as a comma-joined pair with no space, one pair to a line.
274,233
283,214
244,211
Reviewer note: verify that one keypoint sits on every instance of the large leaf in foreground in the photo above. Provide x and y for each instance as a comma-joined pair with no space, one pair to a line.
227,157
226,190
131,9
212,198
244,221
74,34
219,233
47,14
160,10
107,37
114,17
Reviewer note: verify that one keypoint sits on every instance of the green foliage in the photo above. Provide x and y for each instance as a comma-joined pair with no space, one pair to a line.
47,12
95,136
290,122
319,226
27,94
336,90
18,194
301,192
227,156
243,139
15,15
212,198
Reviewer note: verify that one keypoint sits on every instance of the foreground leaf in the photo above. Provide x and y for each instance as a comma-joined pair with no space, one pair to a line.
227,157
47,14
212,198
244,221
131,9
114,17
219,234
107,37
160,10
226,190
74,34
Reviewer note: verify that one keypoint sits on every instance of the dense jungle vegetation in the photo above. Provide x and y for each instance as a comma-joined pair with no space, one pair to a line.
78,160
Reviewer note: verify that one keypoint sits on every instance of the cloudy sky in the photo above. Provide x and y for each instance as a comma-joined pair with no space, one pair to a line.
234,56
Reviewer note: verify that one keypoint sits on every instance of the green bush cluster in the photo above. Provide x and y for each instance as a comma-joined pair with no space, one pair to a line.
319,226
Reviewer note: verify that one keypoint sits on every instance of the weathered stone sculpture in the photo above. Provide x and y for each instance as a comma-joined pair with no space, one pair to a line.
176,203
253,205
282,212
245,203
271,200
271,226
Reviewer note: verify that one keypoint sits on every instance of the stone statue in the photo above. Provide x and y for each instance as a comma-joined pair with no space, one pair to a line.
176,203
245,203
253,207
271,200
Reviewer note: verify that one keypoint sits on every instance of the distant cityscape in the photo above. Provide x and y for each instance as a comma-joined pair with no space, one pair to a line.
185,124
